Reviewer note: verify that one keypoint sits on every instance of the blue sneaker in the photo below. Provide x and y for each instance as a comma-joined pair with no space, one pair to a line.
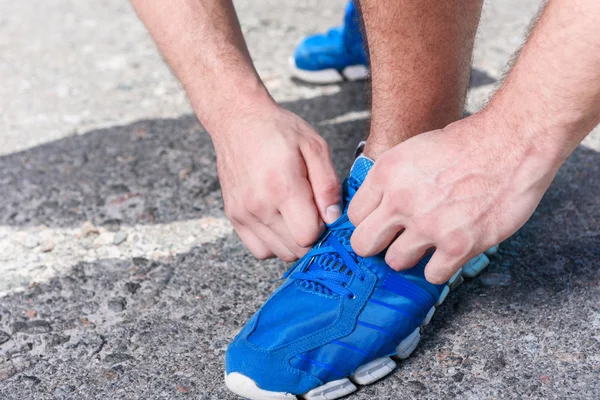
334,56
336,320
493,250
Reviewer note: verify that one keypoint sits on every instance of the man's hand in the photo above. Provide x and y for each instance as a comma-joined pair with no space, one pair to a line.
467,187
278,182
276,173
460,190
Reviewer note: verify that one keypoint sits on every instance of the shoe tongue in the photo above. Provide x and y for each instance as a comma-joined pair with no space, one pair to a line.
358,173
332,261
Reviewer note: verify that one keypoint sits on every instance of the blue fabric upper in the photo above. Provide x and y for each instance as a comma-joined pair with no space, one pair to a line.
335,312
339,48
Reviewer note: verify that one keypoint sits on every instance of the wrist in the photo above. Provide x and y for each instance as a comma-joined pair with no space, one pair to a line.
529,127
523,162
221,107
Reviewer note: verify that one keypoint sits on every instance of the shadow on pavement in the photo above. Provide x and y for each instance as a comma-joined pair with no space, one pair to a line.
159,329
151,171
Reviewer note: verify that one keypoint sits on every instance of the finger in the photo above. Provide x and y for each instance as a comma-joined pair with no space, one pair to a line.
441,267
325,183
301,215
365,201
406,251
252,242
281,230
375,232
271,240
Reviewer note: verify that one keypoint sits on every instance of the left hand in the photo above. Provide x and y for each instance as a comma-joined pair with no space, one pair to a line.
460,190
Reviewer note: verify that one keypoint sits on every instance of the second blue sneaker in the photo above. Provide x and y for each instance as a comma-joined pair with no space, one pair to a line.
336,321
334,56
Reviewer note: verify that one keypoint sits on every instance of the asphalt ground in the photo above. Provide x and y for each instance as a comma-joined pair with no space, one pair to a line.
121,277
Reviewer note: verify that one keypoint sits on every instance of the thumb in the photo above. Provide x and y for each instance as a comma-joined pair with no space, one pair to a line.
325,183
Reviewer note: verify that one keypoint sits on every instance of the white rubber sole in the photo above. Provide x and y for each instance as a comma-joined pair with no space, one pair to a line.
246,387
475,266
367,373
331,390
325,76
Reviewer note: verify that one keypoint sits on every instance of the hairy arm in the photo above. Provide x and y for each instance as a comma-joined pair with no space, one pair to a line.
552,93
276,173
203,43
469,186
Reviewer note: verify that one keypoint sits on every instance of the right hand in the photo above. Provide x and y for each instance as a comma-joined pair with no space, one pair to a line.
277,180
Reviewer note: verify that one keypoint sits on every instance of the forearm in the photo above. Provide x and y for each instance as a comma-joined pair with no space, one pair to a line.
203,43
551,97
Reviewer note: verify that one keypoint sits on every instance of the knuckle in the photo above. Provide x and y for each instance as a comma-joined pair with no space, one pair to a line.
272,175
305,240
356,214
301,252
271,219
308,236
277,187
330,188
377,179
283,194
255,205
393,204
396,256
424,227
435,277
391,258
399,194
288,258
318,145
234,213
262,254
393,209
357,243
456,245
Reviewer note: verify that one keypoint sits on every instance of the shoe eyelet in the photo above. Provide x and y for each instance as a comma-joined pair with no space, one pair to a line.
352,297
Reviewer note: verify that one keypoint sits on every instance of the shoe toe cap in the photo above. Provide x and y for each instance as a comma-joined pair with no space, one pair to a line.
268,370
319,52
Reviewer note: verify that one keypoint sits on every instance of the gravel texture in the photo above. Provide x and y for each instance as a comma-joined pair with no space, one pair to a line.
122,279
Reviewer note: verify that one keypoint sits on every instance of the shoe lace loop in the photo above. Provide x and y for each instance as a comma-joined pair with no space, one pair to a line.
335,280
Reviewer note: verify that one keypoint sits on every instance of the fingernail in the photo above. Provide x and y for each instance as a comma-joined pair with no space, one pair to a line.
333,213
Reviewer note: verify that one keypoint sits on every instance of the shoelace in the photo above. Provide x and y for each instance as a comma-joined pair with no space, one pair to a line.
336,281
